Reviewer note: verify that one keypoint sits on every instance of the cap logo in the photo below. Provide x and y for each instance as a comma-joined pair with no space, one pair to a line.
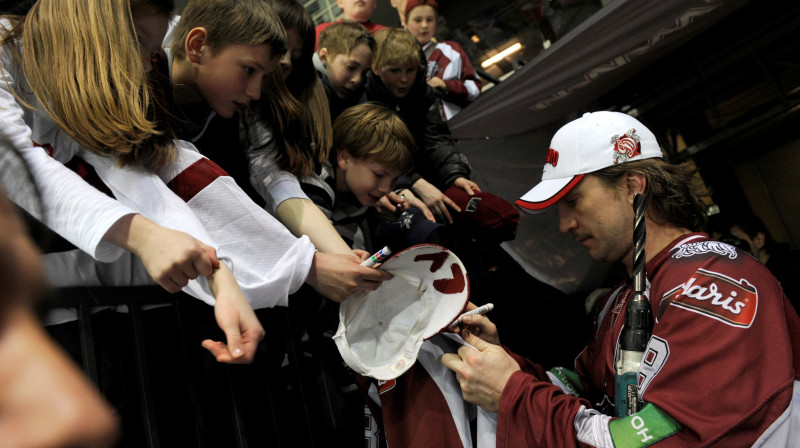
626,147
552,157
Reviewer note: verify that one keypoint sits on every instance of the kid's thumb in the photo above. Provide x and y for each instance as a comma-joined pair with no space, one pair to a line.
235,344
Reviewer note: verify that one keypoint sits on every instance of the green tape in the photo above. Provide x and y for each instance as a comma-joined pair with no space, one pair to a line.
570,379
646,427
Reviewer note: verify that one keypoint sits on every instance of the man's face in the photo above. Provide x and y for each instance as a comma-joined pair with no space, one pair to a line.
600,217
346,71
358,10
422,23
398,78
232,78
368,180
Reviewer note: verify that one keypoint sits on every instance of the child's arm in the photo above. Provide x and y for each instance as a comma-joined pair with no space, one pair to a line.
235,317
303,217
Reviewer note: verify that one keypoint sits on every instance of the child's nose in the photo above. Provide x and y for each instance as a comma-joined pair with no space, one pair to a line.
254,89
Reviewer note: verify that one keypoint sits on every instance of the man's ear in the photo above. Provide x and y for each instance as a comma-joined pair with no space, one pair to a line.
374,68
195,41
323,55
636,183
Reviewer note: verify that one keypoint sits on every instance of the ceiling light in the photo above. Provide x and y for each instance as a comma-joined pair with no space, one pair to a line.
516,47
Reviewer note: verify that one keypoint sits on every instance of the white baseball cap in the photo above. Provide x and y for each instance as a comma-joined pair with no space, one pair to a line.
595,141
380,332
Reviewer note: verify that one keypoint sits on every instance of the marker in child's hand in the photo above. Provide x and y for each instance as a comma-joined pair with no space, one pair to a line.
483,309
377,257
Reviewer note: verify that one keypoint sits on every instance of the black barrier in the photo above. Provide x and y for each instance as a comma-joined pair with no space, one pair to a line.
146,359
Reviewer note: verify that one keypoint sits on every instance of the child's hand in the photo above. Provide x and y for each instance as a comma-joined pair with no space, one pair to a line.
236,318
338,277
413,201
361,254
171,257
436,201
390,206
467,185
437,83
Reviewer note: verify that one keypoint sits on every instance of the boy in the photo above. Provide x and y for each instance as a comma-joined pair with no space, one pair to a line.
396,81
372,148
344,56
449,70
357,11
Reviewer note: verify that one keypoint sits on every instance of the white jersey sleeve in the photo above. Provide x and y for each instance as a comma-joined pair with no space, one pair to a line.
72,208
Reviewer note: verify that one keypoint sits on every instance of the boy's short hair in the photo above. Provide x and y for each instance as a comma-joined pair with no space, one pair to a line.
230,22
396,46
373,131
342,37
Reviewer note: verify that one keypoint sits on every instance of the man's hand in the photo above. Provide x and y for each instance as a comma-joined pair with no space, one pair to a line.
338,277
482,373
478,325
436,201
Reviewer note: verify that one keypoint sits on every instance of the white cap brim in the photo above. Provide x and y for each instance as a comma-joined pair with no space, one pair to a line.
546,193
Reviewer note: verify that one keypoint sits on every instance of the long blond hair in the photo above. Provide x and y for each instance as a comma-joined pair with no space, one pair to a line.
88,75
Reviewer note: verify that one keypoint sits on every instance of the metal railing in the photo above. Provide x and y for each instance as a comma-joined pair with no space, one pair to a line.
168,391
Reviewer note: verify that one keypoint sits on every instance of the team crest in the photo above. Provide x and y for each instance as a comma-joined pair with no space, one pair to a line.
626,147
717,296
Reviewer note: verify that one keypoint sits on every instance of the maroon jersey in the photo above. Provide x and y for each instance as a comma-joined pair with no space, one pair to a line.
723,361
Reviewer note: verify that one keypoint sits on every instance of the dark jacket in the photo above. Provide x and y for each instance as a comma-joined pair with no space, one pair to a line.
436,156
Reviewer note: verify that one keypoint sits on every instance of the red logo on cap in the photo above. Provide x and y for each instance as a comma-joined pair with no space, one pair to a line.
437,258
626,147
453,285
552,157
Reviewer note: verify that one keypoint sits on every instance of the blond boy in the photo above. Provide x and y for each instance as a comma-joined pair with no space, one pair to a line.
373,148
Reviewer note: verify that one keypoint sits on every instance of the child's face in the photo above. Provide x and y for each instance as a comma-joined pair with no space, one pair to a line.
358,10
422,23
232,78
150,30
368,180
398,78
346,72
294,50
